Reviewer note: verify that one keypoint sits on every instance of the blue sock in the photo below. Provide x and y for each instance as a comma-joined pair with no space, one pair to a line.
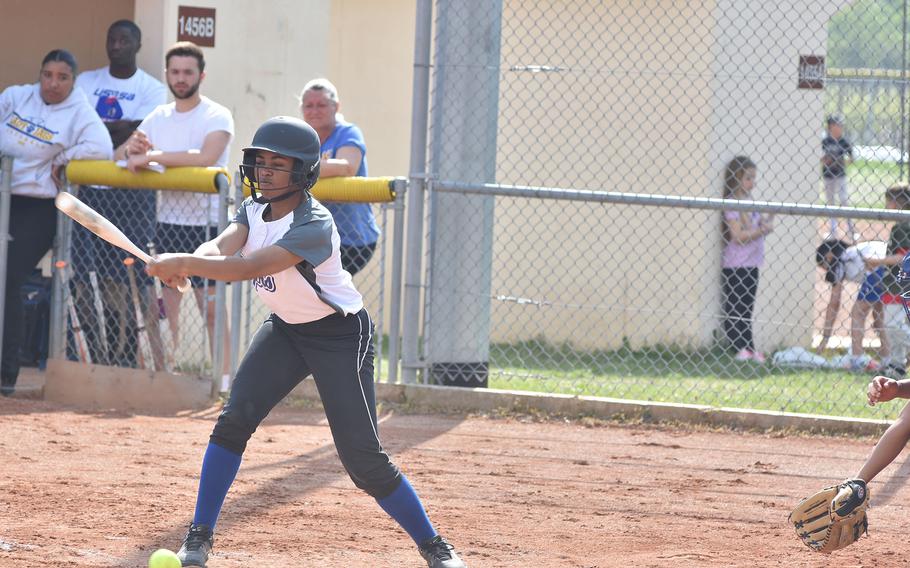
219,467
405,507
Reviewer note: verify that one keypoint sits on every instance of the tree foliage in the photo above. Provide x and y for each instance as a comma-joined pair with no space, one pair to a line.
867,34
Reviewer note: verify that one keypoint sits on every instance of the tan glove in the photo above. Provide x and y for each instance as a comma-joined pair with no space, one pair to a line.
834,517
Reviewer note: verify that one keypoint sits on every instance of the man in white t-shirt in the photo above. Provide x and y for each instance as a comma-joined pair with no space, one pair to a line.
122,95
191,131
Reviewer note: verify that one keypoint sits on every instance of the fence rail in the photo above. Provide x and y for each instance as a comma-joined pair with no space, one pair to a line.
569,218
534,277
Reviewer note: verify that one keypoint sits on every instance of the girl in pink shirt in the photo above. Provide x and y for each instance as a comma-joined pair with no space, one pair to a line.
744,252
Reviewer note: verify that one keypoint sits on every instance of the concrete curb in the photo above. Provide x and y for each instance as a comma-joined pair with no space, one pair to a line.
106,387
99,387
430,398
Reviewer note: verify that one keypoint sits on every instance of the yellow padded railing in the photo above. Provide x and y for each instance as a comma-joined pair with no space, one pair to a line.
104,172
202,180
351,189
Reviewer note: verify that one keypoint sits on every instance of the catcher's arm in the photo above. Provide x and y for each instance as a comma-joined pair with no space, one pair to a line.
891,443
883,389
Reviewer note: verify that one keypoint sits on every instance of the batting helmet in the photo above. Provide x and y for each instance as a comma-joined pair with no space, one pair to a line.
290,137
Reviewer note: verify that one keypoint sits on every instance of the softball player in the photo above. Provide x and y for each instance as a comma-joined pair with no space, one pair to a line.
289,248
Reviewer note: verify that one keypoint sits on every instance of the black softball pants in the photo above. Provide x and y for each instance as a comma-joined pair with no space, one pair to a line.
740,286
338,352
32,228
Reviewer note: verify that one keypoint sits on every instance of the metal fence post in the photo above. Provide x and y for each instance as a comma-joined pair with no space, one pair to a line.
218,354
465,107
6,180
237,288
410,361
397,261
59,287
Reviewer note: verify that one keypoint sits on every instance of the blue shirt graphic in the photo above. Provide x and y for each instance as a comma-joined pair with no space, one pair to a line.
108,108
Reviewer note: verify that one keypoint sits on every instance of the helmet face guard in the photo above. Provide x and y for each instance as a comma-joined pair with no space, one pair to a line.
299,181
289,137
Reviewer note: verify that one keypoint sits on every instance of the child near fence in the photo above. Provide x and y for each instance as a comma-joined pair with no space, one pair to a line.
897,330
837,154
843,263
743,254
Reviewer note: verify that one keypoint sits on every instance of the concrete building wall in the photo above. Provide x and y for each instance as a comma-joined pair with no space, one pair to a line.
670,94
31,28
263,52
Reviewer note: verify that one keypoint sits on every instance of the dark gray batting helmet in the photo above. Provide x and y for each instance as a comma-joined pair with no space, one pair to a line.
290,137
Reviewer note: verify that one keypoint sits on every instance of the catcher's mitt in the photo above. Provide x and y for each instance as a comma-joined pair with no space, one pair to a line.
834,517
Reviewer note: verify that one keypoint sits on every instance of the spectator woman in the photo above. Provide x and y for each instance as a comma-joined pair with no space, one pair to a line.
744,252
44,126
343,155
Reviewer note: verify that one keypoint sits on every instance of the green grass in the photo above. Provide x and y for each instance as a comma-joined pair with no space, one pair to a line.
678,375
667,374
867,181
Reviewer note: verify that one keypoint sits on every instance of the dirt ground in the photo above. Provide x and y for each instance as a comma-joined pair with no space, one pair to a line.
106,489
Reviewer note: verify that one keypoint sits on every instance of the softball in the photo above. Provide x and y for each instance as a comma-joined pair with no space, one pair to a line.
164,558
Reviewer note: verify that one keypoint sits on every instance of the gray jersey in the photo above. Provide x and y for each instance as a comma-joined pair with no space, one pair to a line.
316,287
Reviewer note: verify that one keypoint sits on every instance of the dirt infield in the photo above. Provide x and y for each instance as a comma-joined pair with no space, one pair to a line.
106,489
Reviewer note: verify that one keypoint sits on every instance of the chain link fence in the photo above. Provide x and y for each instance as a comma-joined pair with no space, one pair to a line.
116,315
574,237
572,225
113,313
105,310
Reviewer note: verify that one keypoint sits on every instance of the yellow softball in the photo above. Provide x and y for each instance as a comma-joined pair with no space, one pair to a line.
164,558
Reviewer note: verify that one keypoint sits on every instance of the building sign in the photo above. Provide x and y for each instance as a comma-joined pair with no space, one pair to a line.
811,72
196,25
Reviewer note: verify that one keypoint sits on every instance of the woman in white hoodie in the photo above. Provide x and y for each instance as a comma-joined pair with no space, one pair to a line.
42,126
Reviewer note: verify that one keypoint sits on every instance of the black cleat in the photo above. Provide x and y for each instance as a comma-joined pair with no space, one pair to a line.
440,554
196,546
